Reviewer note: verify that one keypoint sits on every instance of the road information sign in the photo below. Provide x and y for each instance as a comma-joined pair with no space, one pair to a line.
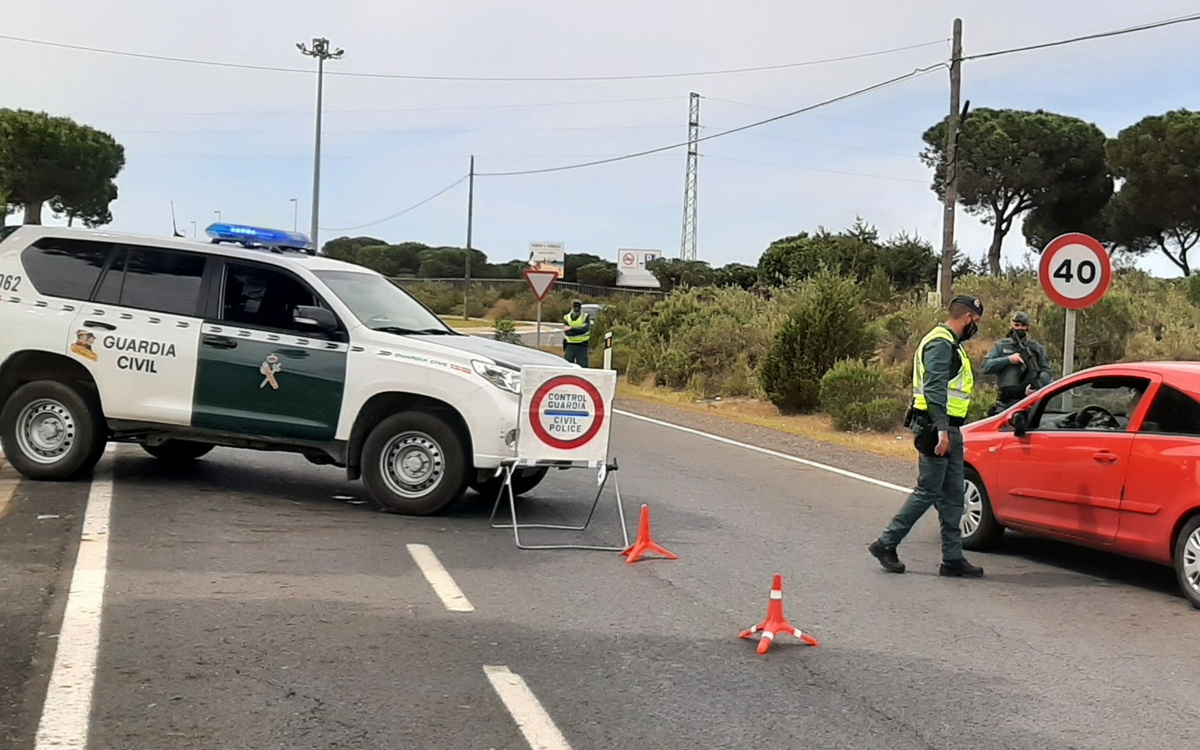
566,414
1075,273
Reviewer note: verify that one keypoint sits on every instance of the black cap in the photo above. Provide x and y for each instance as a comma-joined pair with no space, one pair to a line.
970,302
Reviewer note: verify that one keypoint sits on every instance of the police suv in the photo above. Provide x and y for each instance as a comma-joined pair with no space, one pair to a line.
181,346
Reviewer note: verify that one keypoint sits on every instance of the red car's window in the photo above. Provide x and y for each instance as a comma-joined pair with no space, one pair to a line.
1172,413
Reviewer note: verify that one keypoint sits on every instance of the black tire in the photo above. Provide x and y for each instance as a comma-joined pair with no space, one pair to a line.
1187,560
985,530
178,451
524,481
73,438
434,474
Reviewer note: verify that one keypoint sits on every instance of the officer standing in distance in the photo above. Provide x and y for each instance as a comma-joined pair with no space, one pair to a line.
1020,364
942,387
576,334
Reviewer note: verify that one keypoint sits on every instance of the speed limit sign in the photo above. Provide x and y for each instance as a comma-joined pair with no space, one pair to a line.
1075,271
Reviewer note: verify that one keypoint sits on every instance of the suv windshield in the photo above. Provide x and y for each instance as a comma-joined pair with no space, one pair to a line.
381,305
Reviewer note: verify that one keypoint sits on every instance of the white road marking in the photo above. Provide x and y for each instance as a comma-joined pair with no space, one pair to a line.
443,585
66,712
768,452
533,721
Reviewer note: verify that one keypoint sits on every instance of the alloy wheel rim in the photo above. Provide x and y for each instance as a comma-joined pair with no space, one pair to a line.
1191,561
972,509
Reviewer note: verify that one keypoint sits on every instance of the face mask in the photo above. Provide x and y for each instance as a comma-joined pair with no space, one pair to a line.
970,331
1019,334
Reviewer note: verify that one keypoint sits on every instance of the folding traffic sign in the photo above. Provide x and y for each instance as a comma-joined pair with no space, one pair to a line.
541,282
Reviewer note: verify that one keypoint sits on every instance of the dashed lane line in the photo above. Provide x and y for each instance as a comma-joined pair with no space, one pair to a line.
68,705
443,585
535,724
769,452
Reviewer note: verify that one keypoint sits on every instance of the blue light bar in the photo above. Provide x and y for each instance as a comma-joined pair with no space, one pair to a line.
258,236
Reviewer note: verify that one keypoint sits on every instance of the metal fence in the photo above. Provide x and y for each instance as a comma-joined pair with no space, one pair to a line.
584,289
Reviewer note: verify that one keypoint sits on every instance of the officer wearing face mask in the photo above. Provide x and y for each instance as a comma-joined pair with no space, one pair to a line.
942,386
1020,364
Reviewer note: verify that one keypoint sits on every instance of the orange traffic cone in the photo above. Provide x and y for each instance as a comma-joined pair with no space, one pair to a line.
775,622
644,543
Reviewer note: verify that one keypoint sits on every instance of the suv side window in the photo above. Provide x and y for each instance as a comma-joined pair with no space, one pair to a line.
1172,413
153,279
263,297
65,267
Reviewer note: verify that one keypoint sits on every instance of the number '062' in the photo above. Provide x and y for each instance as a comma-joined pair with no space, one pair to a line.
9,283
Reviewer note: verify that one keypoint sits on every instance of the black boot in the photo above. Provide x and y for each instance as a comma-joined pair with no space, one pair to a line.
887,557
960,569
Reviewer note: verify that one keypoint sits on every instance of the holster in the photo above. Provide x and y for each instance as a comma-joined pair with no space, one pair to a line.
925,437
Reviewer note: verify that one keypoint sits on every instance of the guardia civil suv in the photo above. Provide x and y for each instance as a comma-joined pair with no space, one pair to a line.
181,346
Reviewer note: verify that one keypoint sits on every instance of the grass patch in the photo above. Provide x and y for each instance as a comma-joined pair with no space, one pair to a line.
456,321
762,414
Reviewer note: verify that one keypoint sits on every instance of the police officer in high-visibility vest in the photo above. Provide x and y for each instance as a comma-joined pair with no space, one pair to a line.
942,386
576,334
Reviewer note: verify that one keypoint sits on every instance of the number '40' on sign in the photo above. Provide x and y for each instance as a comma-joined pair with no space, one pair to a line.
1075,271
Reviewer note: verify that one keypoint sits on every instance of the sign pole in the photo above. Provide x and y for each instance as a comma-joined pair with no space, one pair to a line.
539,324
1069,345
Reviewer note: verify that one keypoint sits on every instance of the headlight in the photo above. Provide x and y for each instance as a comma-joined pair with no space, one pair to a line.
504,378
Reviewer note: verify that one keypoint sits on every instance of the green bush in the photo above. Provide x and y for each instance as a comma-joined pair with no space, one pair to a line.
859,396
504,329
824,327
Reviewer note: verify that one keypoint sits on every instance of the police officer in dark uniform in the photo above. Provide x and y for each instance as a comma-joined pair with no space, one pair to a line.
1020,364
942,385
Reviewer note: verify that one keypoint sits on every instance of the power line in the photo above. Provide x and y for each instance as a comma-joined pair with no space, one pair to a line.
399,76
386,131
815,169
874,87
823,117
1088,37
246,113
449,187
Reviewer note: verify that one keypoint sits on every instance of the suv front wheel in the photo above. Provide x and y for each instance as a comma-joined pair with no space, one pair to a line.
414,464
52,431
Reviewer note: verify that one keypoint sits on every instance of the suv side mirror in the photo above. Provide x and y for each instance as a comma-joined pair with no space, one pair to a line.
1019,422
315,319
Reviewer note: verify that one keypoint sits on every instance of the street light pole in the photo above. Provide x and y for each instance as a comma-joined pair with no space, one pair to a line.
321,51
218,213
193,230
295,213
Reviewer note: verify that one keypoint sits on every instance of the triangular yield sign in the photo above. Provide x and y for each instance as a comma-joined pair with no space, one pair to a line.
541,281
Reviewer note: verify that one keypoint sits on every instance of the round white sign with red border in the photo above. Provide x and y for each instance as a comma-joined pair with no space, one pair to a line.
1075,271
566,412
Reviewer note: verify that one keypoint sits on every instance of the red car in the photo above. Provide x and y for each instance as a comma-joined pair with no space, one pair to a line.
1106,458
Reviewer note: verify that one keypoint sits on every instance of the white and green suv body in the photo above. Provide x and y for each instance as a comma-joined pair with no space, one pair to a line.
181,346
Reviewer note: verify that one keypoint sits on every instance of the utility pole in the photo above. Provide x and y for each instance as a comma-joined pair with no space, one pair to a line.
321,51
946,273
687,245
193,230
470,218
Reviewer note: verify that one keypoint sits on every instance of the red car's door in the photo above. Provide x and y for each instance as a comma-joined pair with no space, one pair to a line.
1067,473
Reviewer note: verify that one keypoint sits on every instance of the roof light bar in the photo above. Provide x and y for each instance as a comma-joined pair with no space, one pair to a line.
258,237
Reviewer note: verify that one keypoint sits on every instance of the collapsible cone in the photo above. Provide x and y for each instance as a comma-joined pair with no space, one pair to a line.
775,623
644,543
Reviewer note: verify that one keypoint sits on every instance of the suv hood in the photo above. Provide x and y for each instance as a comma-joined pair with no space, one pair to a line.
498,351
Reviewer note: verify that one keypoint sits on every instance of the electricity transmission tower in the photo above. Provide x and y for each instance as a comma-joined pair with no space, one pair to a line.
687,248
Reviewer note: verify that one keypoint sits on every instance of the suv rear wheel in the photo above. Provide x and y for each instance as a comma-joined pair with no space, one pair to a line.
52,431
178,451
414,464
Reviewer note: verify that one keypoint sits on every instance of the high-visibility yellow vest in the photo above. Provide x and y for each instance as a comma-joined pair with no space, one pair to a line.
958,395
575,323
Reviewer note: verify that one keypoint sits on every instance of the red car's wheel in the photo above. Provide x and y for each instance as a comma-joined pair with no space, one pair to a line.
980,529
1187,560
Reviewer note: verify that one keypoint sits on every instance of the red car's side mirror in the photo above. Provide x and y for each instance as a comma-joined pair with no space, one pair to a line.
1020,422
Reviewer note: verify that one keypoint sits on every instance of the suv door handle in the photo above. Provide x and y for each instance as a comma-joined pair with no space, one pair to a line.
99,324
219,342
1105,457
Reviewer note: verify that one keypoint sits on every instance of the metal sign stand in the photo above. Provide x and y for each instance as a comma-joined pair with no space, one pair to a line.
608,469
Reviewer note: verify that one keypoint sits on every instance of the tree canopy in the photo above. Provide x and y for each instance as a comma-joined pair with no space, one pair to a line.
908,262
1158,205
1012,162
47,159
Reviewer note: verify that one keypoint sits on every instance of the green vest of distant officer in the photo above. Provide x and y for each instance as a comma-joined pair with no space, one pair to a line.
1020,364
576,334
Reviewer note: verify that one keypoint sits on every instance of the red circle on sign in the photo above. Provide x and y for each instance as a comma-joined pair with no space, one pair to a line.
628,258
535,407
1046,277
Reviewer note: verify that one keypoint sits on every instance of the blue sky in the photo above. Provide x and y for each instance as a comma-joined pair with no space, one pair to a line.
240,141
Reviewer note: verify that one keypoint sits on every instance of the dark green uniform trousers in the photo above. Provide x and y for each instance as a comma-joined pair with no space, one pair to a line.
577,353
940,484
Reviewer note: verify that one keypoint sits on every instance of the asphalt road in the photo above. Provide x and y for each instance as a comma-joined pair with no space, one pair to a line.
254,601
